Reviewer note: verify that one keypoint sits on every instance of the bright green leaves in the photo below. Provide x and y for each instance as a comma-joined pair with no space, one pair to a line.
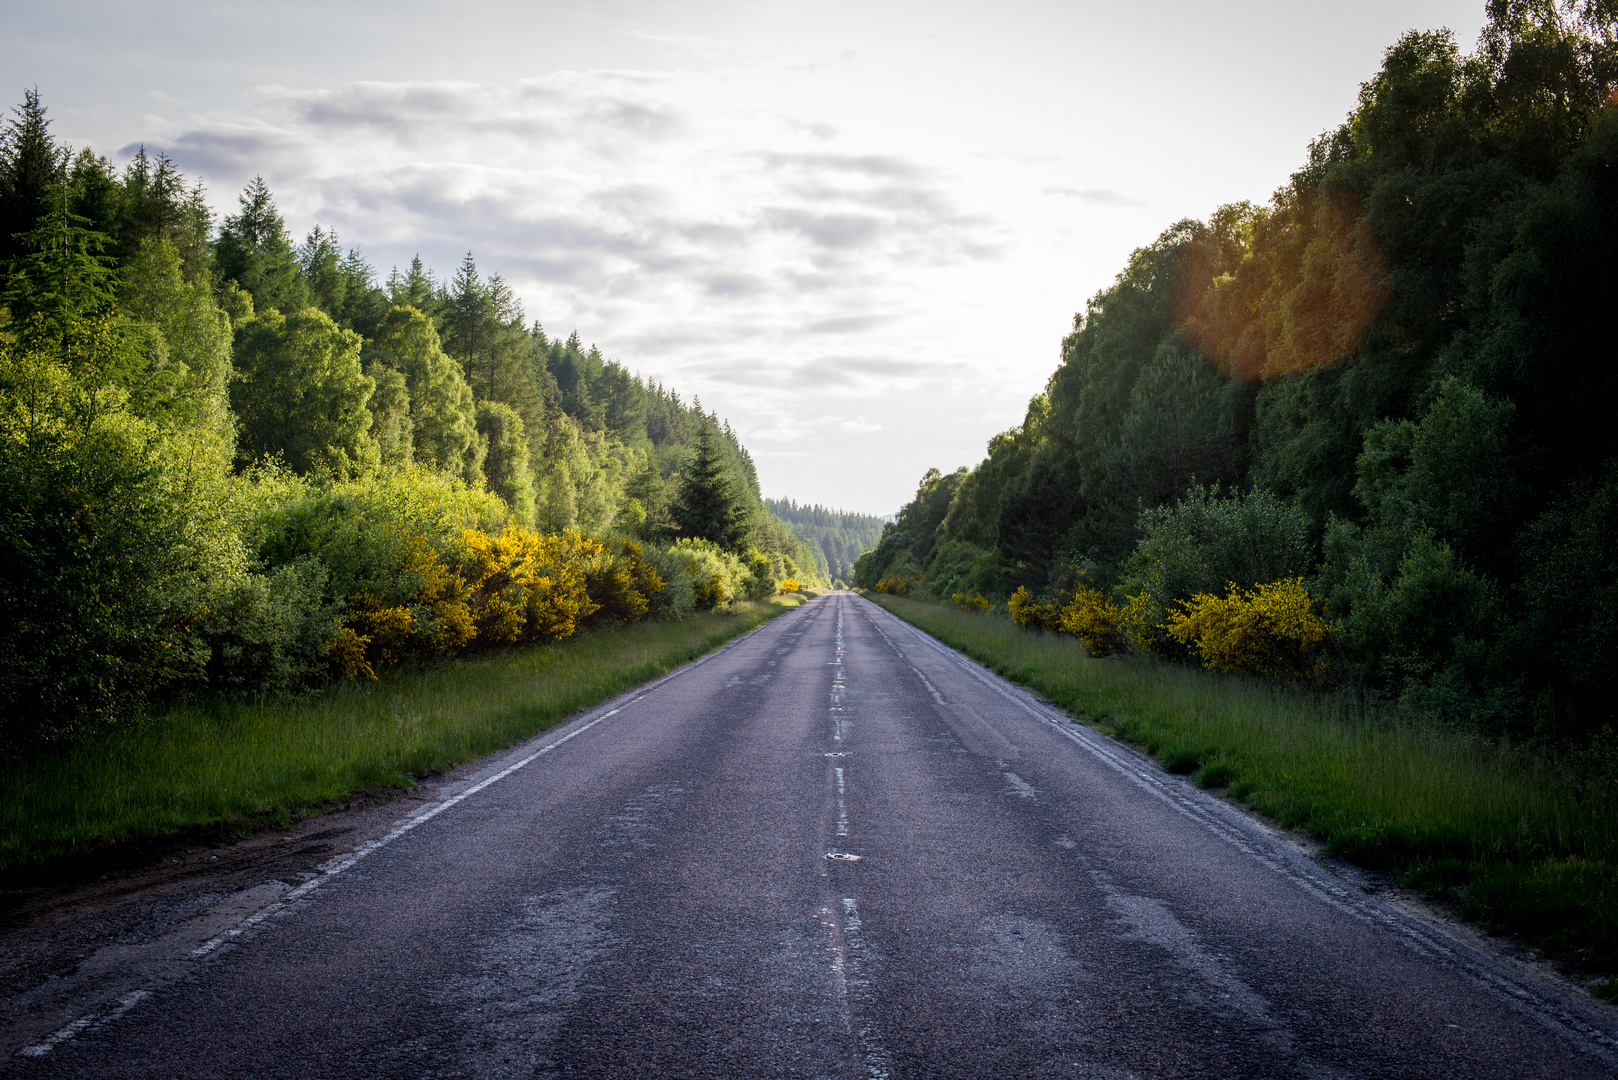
300,393
505,461
442,418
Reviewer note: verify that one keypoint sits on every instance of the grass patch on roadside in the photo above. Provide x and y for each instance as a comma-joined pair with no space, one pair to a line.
1505,835
257,763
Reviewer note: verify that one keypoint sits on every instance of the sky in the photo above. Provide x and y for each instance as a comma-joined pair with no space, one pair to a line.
857,231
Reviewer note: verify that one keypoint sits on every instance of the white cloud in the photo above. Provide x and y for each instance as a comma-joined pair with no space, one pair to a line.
711,230
724,195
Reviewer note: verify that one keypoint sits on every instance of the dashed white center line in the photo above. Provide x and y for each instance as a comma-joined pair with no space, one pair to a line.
842,805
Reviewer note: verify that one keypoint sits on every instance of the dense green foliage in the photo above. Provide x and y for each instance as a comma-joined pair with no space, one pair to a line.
836,536
1398,374
229,463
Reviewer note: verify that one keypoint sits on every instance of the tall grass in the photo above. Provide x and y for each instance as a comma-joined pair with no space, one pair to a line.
1514,838
245,763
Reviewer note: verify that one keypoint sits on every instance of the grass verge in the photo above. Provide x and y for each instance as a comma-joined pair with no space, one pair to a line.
245,764
1509,838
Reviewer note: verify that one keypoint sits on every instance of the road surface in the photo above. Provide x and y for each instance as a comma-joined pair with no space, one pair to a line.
832,849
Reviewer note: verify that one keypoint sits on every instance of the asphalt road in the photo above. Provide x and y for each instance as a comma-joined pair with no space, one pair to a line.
832,849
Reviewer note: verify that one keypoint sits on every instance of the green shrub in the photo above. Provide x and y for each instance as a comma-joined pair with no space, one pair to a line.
361,530
115,543
717,577
271,632
1206,539
677,599
759,581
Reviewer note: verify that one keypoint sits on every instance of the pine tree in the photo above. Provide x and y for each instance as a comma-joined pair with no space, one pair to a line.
415,289
706,507
255,253
62,281
30,168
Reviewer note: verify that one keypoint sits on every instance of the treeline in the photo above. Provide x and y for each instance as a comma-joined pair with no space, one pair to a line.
229,462
836,537
1392,384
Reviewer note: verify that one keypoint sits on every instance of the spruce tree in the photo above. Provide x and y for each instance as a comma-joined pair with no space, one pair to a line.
30,176
706,507
62,281
254,252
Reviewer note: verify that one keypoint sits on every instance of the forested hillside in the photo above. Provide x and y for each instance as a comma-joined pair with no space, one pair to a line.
1393,381
230,462
837,537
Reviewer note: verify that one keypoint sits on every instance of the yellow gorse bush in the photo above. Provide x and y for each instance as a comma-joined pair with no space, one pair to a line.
436,617
1087,614
1030,614
1141,623
500,572
969,602
1094,619
1271,630
789,585
493,589
896,585
620,581
529,587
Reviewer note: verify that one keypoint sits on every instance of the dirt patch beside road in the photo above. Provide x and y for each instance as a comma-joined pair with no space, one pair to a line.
54,918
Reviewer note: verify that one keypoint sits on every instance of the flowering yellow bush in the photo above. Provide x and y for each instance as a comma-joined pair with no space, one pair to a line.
1030,614
436,617
1272,630
1141,623
896,584
499,572
527,587
621,583
1093,618
346,654
789,585
505,587
972,602
558,596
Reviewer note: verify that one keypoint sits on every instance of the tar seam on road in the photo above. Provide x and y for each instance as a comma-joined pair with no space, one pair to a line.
1247,836
95,1021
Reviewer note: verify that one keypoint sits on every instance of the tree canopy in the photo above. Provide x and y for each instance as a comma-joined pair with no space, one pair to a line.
1407,346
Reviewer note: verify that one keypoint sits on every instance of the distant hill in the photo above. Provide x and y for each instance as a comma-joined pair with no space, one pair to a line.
836,536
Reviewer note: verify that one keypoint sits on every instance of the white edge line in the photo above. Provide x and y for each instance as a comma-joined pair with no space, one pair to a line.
125,1003
425,816
130,1000
1550,1008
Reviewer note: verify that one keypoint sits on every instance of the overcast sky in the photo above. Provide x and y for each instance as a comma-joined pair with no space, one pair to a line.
858,231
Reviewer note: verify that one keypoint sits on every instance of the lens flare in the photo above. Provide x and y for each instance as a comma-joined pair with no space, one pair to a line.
1305,293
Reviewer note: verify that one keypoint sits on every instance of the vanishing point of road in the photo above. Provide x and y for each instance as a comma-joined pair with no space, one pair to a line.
834,848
